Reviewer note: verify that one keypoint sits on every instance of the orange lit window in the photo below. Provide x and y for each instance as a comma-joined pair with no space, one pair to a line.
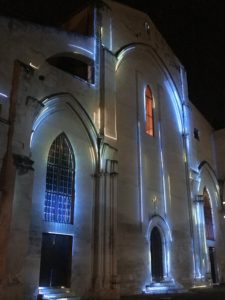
149,111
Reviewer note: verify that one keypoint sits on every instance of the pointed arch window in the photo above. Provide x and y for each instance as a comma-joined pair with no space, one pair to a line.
59,194
208,216
149,125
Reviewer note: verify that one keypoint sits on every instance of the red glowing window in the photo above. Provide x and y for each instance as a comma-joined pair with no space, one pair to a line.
149,126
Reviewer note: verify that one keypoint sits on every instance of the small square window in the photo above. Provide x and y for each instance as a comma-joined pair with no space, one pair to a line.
147,27
196,134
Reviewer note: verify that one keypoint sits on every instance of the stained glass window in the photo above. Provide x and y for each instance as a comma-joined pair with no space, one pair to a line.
208,216
149,111
59,194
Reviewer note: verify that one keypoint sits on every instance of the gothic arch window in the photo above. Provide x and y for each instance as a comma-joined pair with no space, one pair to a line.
149,125
59,193
156,255
208,216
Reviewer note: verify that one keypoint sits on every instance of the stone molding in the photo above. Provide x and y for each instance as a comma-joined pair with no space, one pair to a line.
23,163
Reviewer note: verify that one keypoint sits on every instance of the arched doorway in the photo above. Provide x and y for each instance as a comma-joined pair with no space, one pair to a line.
156,255
209,232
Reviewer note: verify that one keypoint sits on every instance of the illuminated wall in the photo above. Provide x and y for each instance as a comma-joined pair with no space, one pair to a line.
127,182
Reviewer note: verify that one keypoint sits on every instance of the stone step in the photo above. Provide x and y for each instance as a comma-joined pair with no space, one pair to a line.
198,294
57,294
60,297
164,287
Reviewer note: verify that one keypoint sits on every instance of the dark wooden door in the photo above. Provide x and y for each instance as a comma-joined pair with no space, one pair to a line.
212,263
56,257
156,255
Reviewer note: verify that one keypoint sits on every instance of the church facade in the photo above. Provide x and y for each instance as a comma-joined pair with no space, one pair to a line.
111,181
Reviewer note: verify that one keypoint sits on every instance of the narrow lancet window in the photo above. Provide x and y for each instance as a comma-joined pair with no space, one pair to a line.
59,194
149,127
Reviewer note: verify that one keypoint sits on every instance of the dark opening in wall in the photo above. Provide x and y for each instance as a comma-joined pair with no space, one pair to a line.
81,22
78,66
196,134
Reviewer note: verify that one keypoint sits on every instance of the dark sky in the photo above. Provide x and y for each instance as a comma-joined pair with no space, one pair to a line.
194,29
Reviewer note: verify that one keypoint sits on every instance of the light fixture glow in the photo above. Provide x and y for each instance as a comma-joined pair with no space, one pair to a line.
3,95
121,55
81,48
37,122
110,26
199,286
97,117
110,137
184,157
154,289
91,150
33,66
113,137
169,187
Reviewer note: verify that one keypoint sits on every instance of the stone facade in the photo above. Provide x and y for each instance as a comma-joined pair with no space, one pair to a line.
127,184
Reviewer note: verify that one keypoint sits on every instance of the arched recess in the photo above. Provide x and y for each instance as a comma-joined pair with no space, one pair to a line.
207,178
170,85
159,232
61,115
61,102
208,223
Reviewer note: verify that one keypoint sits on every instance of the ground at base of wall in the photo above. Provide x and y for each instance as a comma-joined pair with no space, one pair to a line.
215,293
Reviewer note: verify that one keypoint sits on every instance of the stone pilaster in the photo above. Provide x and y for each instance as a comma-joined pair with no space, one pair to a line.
19,227
201,251
105,281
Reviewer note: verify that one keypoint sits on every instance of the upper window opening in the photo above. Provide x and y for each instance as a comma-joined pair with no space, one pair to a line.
81,22
147,27
59,194
149,111
76,66
196,134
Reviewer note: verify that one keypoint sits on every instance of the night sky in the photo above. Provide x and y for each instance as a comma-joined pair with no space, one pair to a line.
194,29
